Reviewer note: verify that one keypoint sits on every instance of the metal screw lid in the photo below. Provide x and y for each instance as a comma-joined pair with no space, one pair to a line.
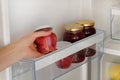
86,22
73,27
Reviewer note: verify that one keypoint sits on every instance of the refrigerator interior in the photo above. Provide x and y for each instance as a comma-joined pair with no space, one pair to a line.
24,16
46,65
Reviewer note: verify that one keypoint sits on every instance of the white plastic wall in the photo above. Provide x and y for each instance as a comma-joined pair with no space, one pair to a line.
25,15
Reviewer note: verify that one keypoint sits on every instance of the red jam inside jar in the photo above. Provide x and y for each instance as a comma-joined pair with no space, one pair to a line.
73,33
79,56
90,52
88,30
46,44
65,62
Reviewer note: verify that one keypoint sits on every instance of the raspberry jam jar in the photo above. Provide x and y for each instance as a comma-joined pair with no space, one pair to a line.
73,33
46,44
79,56
65,62
88,30
88,27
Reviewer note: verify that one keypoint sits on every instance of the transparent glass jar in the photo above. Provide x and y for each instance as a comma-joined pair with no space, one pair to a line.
88,29
46,44
73,33
65,62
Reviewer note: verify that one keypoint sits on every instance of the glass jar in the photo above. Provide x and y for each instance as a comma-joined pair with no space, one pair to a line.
46,44
88,30
65,62
73,33
79,56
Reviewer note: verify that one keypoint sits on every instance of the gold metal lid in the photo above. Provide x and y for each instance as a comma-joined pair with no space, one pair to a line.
86,22
73,27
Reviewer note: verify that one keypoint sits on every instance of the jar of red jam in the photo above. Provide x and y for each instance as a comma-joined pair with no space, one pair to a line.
73,33
79,56
90,51
65,62
46,44
88,29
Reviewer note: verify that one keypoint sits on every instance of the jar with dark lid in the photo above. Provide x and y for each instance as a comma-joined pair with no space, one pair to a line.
73,33
88,30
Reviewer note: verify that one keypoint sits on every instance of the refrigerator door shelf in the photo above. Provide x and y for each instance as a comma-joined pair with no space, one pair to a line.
23,70
114,22
112,47
46,64
58,73
68,50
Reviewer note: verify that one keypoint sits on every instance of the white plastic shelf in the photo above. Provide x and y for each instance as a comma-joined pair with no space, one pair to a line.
54,72
60,72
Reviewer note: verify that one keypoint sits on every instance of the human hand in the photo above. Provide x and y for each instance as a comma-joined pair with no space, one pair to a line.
22,48
26,45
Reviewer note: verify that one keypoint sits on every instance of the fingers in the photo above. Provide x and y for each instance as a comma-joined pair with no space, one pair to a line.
34,52
27,43
40,33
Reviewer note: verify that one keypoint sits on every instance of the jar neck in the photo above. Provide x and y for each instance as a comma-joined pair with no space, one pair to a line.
88,27
79,31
